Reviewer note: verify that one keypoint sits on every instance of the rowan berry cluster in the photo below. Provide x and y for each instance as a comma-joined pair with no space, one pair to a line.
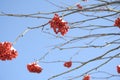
117,22
34,67
59,25
7,52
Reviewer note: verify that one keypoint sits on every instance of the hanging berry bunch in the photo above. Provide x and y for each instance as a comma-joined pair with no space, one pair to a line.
7,52
117,22
59,25
34,67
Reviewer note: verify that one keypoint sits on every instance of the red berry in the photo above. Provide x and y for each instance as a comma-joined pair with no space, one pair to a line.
68,64
86,77
34,67
118,69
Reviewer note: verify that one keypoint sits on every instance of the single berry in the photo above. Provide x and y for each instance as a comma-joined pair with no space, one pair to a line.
118,69
68,64
86,77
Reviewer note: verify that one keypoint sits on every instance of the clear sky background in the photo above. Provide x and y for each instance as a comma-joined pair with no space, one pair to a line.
34,44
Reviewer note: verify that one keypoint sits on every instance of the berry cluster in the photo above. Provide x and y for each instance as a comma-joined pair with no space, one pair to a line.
86,77
59,25
68,64
7,52
118,69
117,22
34,67
79,6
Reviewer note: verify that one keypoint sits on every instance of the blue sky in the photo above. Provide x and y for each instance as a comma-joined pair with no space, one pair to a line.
34,44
